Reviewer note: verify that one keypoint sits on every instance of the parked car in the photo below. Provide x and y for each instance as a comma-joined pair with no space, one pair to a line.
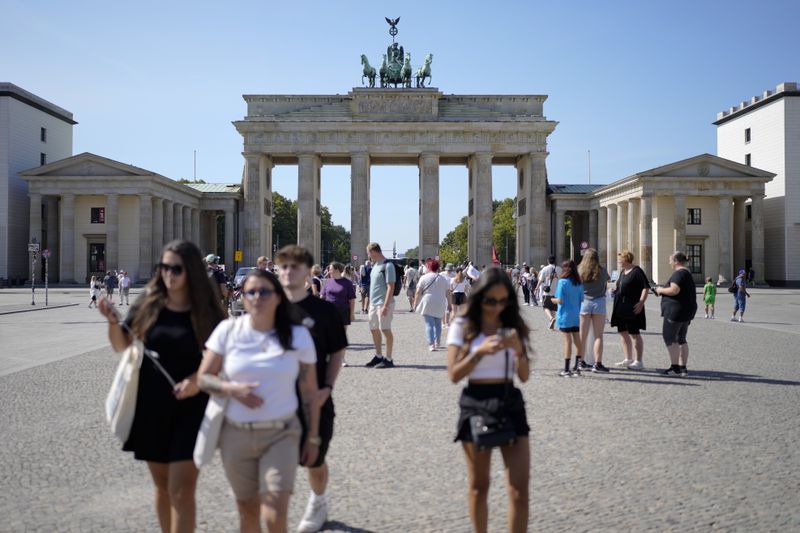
240,275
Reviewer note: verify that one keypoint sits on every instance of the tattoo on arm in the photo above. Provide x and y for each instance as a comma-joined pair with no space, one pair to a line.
211,384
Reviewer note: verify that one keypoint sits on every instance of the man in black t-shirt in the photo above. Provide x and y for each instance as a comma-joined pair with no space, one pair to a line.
330,340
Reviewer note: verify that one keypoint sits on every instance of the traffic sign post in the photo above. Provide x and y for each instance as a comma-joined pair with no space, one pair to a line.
33,249
46,257
584,245
355,259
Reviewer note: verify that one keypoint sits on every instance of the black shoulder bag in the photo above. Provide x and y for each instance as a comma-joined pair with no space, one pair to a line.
493,427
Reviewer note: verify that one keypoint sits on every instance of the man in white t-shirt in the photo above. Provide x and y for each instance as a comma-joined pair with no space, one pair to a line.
410,285
472,272
124,288
548,279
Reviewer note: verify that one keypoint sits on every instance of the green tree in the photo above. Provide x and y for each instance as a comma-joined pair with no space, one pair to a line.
412,253
284,220
453,248
335,239
504,232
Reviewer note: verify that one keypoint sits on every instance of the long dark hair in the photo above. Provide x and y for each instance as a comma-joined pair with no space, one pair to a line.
510,317
285,314
570,271
205,308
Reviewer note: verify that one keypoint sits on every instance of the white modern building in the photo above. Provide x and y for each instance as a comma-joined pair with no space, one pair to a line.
764,132
33,132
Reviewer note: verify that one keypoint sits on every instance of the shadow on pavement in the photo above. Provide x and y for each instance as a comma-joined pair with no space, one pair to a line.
339,526
676,381
423,367
713,375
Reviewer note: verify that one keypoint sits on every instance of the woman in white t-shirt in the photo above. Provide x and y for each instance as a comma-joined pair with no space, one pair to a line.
489,345
261,355
458,287
430,301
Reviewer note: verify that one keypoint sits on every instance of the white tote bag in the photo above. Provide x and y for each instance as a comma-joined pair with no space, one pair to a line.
210,428
121,399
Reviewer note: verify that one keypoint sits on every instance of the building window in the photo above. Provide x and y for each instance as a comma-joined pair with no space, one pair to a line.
693,216
43,135
522,207
748,209
695,254
98,215
747,160
747,135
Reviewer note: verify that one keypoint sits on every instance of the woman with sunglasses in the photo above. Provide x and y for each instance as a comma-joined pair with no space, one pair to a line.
262,355
489,345
176,313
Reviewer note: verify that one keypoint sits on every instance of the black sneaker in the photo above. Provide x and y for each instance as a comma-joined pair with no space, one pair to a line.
583,365
576,372
374,361
600,367
671,371
682,372
385,363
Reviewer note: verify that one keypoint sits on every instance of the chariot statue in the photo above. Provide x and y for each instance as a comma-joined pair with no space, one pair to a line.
396,67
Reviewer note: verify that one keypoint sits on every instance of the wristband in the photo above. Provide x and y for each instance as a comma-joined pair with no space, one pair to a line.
316,441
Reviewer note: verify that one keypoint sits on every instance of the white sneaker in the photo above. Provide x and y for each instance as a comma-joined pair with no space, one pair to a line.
706,316
315,515
741,319
636,365
624,363
733,318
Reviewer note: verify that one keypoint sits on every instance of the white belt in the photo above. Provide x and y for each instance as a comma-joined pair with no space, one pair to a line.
282,423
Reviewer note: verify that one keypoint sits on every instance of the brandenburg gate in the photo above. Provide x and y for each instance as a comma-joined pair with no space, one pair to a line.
397,126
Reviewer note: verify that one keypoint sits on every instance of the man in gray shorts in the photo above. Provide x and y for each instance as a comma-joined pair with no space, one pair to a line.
381,305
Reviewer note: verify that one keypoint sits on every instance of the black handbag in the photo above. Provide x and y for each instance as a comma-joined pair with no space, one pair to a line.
493,427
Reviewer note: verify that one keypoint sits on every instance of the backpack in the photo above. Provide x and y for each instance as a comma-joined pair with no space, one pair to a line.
367,271
398,276
734,288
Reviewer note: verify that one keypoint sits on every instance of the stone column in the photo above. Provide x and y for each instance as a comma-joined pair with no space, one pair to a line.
229,244
251,241
196,227
602,236
145,237
429,205
757,237
739,236
537,210
112,232
633,227
35,220
611,232
480,209
265,179
521,202
187,223
359,204
52,237
593,228
646,236
560,215
725,269
177,221
158,234
622,227
169,221
307,203
679,241
67,274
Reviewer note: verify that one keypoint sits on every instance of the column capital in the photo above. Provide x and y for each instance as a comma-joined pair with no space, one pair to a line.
426,155
251,157
483,156
539,155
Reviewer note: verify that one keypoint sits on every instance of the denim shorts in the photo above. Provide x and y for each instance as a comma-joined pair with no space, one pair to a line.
594,307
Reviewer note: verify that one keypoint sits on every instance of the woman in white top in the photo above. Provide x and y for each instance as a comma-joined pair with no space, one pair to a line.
262,354
430,301
94,291
488,345
458,287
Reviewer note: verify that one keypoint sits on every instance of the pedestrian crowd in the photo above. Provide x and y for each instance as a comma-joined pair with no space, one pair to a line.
259,386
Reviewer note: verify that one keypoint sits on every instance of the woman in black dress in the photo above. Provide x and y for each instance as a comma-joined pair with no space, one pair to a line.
176,313
628,314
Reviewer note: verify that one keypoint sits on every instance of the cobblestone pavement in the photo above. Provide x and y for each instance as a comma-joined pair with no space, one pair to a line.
629,451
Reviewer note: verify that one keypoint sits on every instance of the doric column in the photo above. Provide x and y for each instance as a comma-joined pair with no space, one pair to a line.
646,236
537,210
229,244
757,237
480,209
177,221
429,205
593,228
602,236
169,221
739,237
611,240
35,220
67,274
251,242
196,227
145,237
679,240
633,227
522,201
725,269
187,223
158,234
308,203
112,232
359,204
52,237
622,227
560,215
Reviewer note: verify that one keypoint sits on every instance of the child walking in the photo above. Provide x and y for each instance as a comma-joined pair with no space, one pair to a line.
709,297
94,290
568,296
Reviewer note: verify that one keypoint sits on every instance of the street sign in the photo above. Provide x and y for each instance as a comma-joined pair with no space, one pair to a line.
437,257
46,254
584,245
33,247
238,256
355,258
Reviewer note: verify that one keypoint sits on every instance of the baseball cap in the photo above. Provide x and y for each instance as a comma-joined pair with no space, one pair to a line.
211,258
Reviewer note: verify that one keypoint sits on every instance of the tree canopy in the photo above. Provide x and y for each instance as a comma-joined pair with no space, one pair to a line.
335,239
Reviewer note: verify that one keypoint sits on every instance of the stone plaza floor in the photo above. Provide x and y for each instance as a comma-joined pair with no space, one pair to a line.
628,451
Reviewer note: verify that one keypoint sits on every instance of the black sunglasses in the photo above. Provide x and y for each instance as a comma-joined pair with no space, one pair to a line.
175,269
252,294
495,301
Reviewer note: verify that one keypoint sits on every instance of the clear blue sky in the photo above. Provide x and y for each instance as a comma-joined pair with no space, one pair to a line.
637,83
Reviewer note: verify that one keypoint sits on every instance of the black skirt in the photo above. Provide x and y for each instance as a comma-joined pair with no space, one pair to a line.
515,408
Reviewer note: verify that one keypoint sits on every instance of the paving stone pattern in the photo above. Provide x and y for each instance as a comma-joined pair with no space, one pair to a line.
629,451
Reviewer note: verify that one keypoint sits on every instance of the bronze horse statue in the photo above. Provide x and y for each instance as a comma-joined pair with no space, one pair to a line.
424,72
369,72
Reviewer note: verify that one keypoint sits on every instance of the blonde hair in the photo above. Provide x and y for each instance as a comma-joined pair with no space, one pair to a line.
589,269
374,247
626,256
316,270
